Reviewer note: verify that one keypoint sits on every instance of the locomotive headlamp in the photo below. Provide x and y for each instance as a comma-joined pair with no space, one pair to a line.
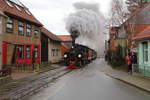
79,55
65,56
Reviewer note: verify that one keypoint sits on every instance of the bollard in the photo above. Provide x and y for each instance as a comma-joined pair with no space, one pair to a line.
37,67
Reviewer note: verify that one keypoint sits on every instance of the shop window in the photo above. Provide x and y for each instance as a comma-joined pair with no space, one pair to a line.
9,25
28,30
20,28
36,52
20,51
28,52
145,52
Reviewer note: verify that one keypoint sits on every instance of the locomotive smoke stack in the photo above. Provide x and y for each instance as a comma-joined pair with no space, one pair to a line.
74,35
86,25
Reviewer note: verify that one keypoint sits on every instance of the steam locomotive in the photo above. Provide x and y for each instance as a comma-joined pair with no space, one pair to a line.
78,56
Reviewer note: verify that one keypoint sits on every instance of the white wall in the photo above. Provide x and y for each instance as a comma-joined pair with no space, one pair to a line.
54,45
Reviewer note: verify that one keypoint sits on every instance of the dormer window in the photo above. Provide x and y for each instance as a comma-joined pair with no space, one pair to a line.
17,2
9,4
18,7
28,12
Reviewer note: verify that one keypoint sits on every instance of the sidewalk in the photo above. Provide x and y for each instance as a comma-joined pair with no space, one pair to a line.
16,75
135,80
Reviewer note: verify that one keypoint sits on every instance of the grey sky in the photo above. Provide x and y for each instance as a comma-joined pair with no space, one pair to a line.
53,12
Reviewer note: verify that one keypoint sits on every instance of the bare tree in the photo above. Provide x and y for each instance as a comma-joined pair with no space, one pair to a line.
134,5
118,12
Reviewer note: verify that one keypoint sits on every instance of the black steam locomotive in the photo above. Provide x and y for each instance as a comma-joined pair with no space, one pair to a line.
78,56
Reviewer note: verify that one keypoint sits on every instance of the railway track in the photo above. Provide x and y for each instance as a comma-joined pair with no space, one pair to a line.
28,86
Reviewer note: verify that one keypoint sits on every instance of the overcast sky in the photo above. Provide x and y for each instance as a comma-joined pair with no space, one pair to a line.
51,13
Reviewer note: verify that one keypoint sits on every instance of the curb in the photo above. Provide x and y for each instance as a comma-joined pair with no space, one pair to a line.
119,79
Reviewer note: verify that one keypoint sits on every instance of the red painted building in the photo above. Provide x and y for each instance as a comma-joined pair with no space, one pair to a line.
20,34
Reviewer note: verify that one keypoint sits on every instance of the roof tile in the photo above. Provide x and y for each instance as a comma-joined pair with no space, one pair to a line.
143,34
49,34
13,11
65,37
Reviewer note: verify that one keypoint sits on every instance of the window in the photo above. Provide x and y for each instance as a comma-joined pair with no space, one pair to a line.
0,25
9,25
36,52
28,30
20,51
57,52
145,51
17,2
28,52
53,52
20,28
9,4
36,32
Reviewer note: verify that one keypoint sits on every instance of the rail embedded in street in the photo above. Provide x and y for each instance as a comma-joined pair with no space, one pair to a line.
32,84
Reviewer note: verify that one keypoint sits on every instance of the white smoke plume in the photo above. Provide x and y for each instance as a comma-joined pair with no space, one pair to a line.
89,22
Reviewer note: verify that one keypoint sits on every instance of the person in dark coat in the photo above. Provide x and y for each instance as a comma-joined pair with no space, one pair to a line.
134,58
134,61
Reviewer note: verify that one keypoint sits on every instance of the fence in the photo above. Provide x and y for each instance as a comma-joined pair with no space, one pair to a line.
142,69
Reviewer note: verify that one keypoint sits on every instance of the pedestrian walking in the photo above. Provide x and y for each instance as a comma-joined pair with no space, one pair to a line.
129,63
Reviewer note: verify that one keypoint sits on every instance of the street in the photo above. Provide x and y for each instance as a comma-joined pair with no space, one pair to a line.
89,83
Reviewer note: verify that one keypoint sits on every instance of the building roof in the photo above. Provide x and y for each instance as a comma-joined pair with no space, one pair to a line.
1,13
144,35
65,37
65,46
16,9
50,34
